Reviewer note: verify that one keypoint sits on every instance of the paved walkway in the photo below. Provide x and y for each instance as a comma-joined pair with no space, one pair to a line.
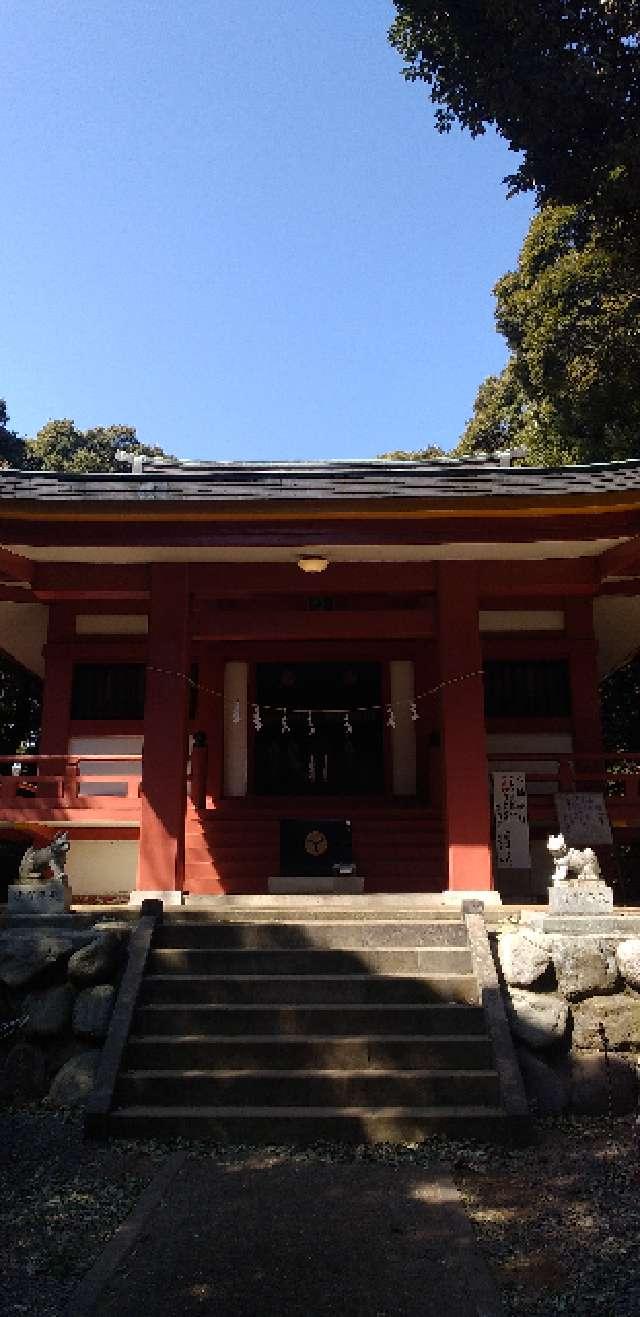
292,1239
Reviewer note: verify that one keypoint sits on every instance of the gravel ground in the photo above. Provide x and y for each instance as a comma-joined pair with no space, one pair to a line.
559,1221
60,1201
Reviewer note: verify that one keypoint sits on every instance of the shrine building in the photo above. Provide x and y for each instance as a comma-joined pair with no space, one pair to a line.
265,677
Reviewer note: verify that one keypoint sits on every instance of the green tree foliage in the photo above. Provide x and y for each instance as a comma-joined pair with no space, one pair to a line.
570,315
59,446
499,416
11,445
19,706
428,454
620,703
559,79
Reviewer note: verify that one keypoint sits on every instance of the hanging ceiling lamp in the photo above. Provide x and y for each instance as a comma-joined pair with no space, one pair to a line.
313,565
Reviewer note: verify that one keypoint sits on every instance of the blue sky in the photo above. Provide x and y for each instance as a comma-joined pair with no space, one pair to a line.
235,227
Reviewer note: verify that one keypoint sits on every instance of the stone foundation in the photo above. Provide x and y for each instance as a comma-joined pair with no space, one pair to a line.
571,985
60,981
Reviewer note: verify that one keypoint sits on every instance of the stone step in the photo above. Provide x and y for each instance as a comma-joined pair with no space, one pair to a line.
308,1020
286,909
295,990
305,1088
294,933
370,905
471,1051
310,960
304,1125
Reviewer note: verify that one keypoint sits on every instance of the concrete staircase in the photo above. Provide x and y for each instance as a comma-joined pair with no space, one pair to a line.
266,1029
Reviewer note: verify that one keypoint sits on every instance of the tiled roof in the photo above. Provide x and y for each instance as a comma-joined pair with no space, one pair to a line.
283,481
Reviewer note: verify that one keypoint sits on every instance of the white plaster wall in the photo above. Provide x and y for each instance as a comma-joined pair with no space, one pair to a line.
101,867
112,624
521,619
403,737
23,631
106,745
235,734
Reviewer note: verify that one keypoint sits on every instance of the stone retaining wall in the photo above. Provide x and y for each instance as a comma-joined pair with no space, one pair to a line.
57,989
573,1005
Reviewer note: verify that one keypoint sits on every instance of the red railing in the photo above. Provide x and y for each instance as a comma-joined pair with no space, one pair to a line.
67,779
617,776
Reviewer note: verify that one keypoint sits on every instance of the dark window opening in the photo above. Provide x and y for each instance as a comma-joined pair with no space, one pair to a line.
332,740
536,689
104,691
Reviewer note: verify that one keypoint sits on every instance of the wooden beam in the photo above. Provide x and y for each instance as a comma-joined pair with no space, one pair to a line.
222,579
622,560
14,567
82,582
15,594
222,624
629,586
202,528
551,577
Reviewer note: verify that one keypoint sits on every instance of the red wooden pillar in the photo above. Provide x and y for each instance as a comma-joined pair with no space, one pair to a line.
583,676
464,742
164,759
58,677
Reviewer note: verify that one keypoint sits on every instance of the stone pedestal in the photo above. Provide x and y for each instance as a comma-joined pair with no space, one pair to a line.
51,896
580,897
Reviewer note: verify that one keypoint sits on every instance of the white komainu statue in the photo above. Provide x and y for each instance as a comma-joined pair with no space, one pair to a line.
35,861
572,865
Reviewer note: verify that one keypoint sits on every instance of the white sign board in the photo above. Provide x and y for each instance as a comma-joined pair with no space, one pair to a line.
512,821
583,818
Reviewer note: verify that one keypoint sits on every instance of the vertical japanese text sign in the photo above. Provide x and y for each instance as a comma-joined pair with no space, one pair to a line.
512,821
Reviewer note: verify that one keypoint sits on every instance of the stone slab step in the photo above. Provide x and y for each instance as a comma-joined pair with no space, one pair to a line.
428,905
311,960
260,1052
304,1125
296,934
308,1020
222,909
294,990
304,1088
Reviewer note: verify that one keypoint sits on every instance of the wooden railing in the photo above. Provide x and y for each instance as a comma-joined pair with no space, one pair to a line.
66,779
617,776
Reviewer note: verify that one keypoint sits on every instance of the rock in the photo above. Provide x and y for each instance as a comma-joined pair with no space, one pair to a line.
524,956
597,1088
583,966
92,1011
74,1082
23,1074
98,962
547,1088
50,1010
25,953
620,1015
539,1019
628,958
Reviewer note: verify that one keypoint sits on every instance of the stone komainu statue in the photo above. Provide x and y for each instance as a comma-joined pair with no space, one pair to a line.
572,865
36,861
